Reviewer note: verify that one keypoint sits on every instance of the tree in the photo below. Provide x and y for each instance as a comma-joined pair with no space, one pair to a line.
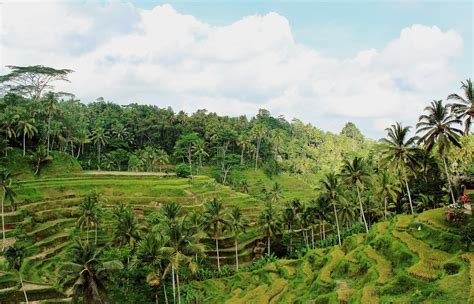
27,129
161,158
288,220
39,158
274,194
15,255
199,150
346,212
258,133
153,255
84,272
31,81
89,210
9,120
387,188
184,147
50,102
126,228
243,141
400,152
463,108
7,193
350,130
332,190
356,173
237,224
215,218
269,223
82,139
438,127
100,138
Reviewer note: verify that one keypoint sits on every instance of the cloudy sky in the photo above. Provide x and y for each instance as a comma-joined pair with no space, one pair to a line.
322,62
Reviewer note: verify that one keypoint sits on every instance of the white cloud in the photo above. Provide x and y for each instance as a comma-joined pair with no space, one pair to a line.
161,56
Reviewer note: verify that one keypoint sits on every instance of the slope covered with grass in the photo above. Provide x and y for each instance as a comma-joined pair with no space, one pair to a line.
405,260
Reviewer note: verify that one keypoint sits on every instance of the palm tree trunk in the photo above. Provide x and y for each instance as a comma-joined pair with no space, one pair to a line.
177,284
242,157
385,209
409,196
174,285
324,230
164,291
23,287
312,237
337,224
268,244
449,180
256,154
320,230
3,222
96,233
236,255
24,144
217,253
291,241
98,155
49,131
362,210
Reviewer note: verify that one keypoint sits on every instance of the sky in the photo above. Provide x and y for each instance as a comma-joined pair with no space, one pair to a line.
325,63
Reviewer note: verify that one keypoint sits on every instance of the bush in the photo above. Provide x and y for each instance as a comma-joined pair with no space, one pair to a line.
183,170
451,268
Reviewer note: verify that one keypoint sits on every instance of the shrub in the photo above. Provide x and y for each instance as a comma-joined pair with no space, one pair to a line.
451,268
183,170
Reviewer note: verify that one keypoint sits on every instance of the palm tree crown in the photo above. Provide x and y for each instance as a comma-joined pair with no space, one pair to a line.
464,106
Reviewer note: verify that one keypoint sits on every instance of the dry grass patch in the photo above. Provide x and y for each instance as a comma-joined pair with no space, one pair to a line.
403,221
384,267
369,295
336,256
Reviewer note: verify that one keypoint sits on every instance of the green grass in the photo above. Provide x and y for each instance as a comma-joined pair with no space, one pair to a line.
384,267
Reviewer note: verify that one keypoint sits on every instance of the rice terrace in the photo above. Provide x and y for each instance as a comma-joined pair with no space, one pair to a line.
242,152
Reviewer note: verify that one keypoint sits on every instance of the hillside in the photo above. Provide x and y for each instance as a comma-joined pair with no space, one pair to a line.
409,259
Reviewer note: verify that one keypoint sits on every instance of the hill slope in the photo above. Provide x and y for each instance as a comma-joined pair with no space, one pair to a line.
410,259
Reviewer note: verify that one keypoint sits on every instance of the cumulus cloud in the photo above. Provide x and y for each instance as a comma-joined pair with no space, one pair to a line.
162,56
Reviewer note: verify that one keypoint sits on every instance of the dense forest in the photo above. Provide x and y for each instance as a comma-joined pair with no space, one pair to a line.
354,181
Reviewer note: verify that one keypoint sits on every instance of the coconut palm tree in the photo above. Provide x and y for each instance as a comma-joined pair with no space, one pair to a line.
7,194
161,158
346,211
438,127
275,193
14,256
83,271
40,157
400,151
26,128
9,121
184,243
199,150
89,210
288,220
82,139
387,187
463,108
356,174
216,220
153,255
237,224
332,190
269,222
243,141
50,102
320,210
126,228
170,211
100,139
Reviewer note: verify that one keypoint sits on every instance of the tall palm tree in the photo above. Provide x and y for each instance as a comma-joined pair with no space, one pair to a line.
83,271
319,207
14,256
89,210
356,173
9,121
346,212
216,220
332,190
40,157
275,193
438,127
237,224
463,108
387,187
126,228
26,128
400,151
288,219
153,255
170,211
259,132
100,139
269,223
51,103
82,138
7,193
199,150
243,141
184,243
161,158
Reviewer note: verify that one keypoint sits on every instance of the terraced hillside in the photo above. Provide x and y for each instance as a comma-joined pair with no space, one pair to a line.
408,260
47,208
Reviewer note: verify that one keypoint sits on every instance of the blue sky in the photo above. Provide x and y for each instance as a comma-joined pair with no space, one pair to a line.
326,63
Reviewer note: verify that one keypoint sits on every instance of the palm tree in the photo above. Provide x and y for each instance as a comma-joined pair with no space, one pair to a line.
387,188
153,255
237,224
288,220
126,228
259,132
199,149
319,207
89,210
161,158
51,103
82,139
275,193
331,190
216,221
184,243
438,128
464,107
170,211
346,212
7,193
400,151
83,271
269,223
40,157
356,173
14,256
27,129
244,142
100,138
9,121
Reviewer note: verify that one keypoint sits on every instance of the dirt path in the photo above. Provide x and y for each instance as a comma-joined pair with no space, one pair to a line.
127,173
